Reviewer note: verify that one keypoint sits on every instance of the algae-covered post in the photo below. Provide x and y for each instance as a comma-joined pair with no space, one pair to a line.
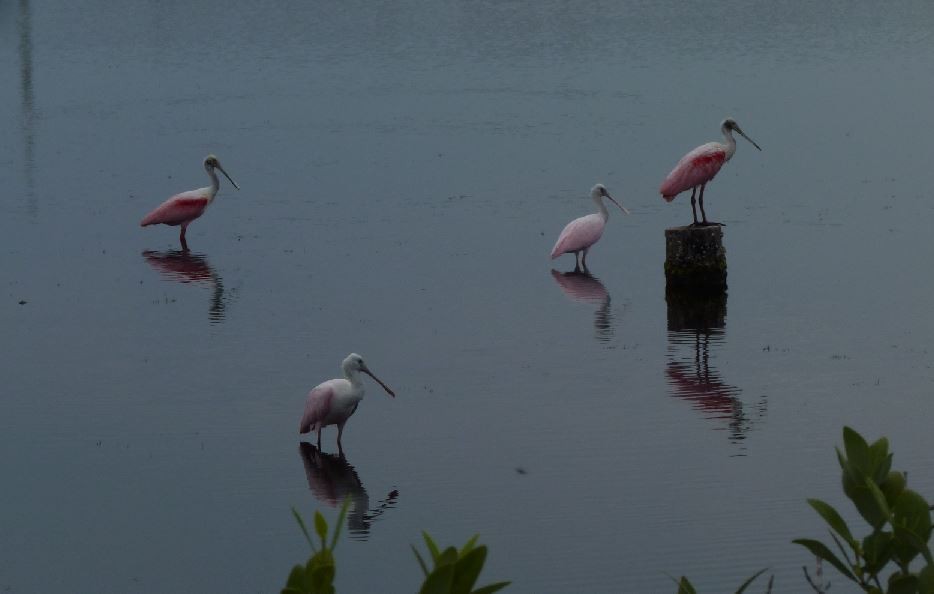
695,258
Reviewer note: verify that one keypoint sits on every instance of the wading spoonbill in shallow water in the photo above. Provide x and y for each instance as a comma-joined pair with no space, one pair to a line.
183,208
580,234
332,402
700,166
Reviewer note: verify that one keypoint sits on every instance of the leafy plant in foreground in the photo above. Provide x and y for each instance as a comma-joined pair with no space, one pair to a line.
454,572
317,575
685,586
900,520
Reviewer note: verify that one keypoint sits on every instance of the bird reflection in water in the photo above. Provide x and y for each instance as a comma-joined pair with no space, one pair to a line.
186,267
697,322
332,479
584,287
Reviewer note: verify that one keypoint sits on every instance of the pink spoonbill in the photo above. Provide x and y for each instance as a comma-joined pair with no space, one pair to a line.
700,166
332,402
580,234
183,208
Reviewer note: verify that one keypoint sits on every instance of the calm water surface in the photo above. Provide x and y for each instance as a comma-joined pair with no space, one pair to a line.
406,167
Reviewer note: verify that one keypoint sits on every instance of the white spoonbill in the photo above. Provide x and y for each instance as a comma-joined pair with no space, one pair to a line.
700,166
580,234
332,402
182,209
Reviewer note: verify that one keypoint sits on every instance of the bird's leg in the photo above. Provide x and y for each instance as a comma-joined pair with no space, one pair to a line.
319,439
577,264
181,237
340,431
584,260
693,202
704,214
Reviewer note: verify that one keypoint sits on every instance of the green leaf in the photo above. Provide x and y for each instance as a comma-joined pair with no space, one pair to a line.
908,545
911,518
447,557
877,550
321,528
439,581
469,545
432,547
467,570
879,460
893,485
926,580
751,579
820,550
296,579
491,588
869,500
340,521
301,524
857,450
685,586
420,560
832,518
900,583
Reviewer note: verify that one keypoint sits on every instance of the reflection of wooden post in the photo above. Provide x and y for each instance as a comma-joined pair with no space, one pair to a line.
695,258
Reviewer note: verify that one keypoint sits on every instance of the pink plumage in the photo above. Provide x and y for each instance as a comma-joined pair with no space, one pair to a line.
579,235
694,169
334,401
178,210
317,407
698,167
182,209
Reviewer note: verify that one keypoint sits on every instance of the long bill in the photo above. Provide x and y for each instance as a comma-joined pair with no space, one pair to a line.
621,207
743,134
238,187
380,382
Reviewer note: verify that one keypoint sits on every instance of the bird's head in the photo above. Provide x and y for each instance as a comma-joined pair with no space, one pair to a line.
211,163
599,192
730,125
354,364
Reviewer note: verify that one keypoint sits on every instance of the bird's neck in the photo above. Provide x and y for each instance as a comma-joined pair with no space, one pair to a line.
215,184
354,378
730,143
601,207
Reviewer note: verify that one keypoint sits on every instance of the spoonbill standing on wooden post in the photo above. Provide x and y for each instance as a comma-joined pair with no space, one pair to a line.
580,234
332,402
183,208
700,166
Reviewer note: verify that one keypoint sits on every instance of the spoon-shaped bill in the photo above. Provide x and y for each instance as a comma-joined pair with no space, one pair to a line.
621,207
238,187
743,134
379,381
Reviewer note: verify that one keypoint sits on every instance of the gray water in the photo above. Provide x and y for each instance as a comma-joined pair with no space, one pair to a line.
406,167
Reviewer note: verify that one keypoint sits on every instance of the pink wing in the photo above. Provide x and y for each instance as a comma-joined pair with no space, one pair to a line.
695,168
317,406
178,209
579,234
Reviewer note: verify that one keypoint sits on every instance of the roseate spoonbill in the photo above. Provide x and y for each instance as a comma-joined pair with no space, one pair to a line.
580,234
183,208
332,402
700,166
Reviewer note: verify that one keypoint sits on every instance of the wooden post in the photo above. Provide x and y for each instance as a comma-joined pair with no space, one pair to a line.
695,259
